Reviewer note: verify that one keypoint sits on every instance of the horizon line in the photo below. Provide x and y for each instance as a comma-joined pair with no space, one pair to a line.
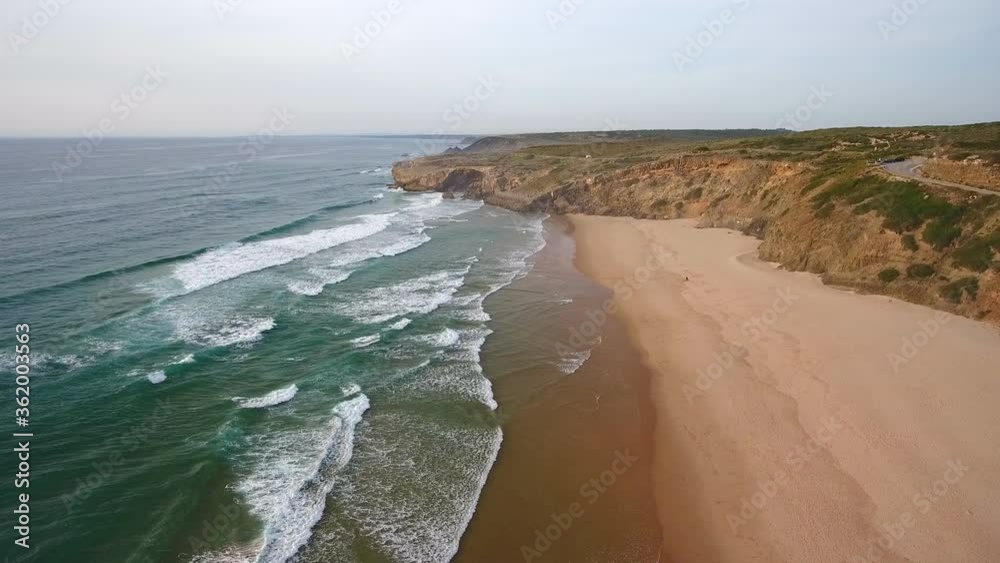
482,135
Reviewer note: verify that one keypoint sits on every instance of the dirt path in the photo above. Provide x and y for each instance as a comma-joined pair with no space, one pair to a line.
910,170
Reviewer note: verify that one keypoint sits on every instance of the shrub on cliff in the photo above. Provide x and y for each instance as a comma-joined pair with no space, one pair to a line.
920,271
968,286
889,275
977,253
943,231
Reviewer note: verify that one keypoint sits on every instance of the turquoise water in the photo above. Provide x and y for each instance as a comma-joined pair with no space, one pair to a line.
261,359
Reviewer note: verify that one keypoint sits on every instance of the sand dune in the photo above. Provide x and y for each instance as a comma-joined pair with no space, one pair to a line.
801,423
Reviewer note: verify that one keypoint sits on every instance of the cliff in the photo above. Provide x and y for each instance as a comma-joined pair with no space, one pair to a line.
825,212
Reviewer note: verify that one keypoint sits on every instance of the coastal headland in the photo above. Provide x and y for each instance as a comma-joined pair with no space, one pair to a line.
821,342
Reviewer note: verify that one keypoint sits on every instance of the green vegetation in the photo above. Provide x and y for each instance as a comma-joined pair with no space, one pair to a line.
910,243
920,271
904,205
977,253
968,286
943,230
889,275
824,175
679,205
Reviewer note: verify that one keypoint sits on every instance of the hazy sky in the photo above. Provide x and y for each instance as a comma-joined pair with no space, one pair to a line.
220,67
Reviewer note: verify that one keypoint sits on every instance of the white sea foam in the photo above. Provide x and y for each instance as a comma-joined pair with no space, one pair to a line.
234,260
459,372
293,473
350,389
573,360
240,330
445,338
271,399
365,341
189,359
424,518
400,324
341,266
417,296
426,201
570,363
230,555
157,377
318,282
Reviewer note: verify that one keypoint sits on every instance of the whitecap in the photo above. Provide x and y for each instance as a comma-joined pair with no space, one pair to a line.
400,324
444,339
271,399
237,259
157,377
365,341
241,330
316,285
189,359
293,473
414,296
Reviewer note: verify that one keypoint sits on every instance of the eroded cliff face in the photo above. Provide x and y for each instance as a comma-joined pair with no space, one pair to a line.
493,184
762,198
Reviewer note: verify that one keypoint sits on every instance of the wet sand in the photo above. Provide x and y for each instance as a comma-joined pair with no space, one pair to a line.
564,433
797,422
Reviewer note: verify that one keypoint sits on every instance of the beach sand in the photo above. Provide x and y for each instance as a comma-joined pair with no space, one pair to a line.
798,422
559,490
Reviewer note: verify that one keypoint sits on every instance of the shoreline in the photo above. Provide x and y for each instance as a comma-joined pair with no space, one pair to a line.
562,429
794,422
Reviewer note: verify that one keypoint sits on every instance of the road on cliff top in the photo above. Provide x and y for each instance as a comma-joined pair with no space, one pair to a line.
910,170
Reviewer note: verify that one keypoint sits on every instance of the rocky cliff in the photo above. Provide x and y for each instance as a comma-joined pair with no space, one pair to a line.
845,221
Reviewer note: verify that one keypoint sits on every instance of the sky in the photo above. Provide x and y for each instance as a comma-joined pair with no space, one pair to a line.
234,67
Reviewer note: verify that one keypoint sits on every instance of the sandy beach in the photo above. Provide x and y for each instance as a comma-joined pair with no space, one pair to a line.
798,422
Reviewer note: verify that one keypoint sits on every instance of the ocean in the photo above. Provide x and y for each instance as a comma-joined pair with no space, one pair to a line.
260,356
